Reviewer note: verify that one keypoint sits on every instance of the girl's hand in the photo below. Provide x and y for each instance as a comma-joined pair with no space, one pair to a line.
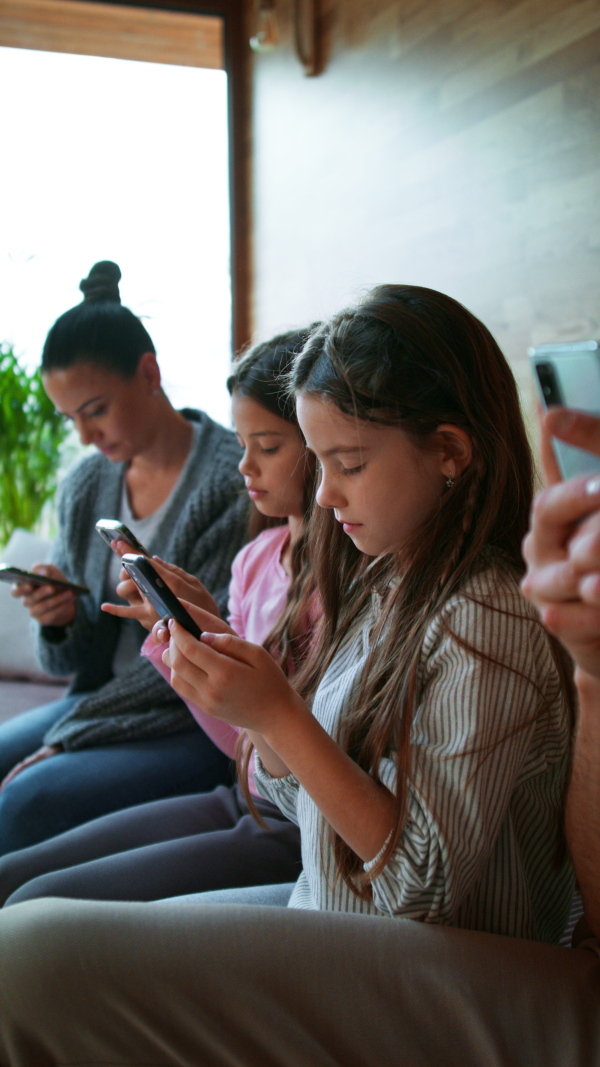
233,680
550,466
138,607
185,587
205,619
562,548
48,604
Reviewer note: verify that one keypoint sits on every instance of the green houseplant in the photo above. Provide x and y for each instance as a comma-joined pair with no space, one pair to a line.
31,435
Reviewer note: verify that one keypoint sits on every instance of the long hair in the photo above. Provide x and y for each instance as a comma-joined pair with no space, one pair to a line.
262,374
99,330
413,358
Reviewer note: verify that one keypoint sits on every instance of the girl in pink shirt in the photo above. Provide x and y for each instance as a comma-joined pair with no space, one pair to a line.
258,594
208,841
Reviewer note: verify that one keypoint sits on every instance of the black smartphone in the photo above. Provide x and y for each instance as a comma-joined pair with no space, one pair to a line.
157,592
569,374
113,530
21,577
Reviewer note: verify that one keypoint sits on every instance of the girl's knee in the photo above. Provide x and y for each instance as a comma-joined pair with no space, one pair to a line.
10,878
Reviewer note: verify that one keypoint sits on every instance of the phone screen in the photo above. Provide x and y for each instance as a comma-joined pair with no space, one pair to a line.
569,375
21,577
112,530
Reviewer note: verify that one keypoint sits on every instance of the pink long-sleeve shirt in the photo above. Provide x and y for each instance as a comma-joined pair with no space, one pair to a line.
257,596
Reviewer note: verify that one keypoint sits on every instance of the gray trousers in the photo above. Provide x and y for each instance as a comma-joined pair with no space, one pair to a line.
166,848
182,984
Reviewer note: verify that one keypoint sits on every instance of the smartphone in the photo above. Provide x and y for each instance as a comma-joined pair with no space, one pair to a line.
112,530
157,592
15,574
569,374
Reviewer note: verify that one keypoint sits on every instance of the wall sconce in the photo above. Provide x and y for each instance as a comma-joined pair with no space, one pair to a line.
306,32
267,34
306,35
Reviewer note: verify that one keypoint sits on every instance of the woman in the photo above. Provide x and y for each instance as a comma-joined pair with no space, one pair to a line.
120,736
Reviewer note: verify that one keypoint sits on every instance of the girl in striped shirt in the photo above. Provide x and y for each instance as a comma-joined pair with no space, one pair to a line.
424,749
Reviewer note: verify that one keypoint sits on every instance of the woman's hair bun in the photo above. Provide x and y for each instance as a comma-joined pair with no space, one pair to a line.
102,283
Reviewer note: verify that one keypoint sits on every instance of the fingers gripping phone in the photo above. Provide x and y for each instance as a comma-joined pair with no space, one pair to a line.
15,574
569,374
157,592
113,530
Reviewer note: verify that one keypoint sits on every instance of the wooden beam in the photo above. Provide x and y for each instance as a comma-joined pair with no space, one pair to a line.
116,30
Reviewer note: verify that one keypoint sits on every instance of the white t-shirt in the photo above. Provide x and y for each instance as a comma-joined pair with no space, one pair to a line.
128,645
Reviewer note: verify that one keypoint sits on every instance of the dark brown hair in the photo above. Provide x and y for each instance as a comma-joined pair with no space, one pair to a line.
262,374
98,330
414,358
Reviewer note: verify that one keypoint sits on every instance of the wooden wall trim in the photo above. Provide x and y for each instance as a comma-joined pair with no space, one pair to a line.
118,31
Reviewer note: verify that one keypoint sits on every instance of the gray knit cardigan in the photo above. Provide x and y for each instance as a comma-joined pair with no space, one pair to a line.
202,530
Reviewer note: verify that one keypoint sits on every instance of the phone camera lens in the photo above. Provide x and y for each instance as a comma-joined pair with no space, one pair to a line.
548,383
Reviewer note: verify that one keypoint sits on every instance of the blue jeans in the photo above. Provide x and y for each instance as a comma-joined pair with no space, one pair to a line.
71,788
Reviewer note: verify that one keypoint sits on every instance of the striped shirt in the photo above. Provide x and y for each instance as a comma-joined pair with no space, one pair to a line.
485,802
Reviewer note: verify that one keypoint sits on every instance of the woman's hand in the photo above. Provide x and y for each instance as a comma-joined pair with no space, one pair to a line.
48,604
36,757
562,548
232,679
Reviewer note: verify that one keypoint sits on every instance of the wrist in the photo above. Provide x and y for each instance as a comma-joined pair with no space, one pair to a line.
286,724
54,635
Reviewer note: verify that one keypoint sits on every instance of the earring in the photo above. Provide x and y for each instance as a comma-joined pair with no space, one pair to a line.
449,483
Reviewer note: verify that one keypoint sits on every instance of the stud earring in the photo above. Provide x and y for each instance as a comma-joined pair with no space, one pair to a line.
449,483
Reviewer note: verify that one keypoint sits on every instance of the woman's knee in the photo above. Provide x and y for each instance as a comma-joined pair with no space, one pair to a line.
23,734
31,810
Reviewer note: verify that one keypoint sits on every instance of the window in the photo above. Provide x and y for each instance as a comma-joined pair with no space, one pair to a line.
117,158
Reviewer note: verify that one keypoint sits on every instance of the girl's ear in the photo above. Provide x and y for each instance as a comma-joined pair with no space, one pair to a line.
456,449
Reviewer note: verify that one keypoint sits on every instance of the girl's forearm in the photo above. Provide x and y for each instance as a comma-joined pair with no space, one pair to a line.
271,761
583,800
357,807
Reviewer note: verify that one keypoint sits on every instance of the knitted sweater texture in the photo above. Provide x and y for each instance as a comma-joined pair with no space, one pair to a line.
201,531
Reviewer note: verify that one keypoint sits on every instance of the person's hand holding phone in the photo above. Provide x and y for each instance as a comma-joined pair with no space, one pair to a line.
231,679
137,607
185,587
562,548
47,604
206,620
